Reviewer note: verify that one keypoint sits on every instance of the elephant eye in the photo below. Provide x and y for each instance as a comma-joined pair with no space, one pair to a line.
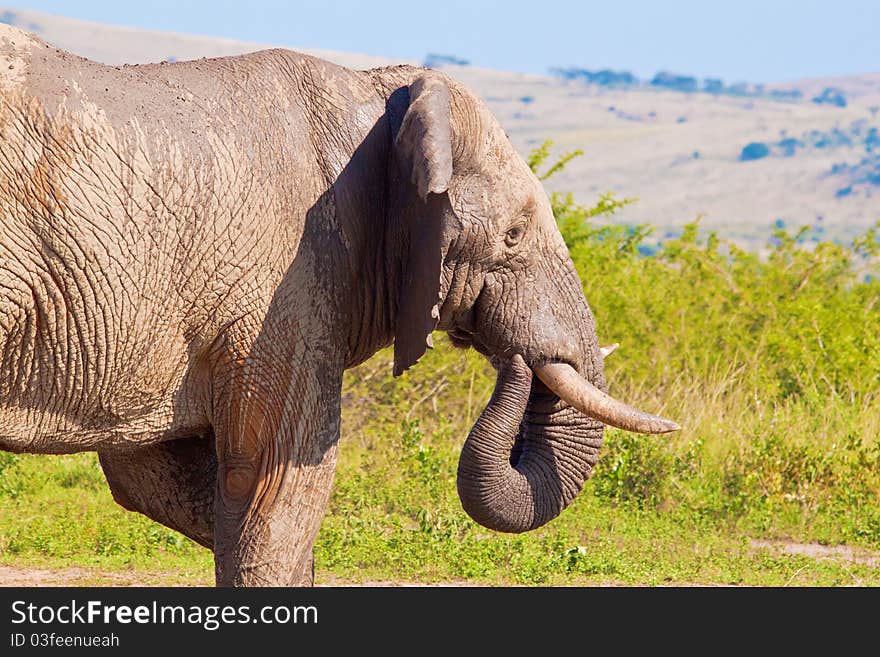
514,235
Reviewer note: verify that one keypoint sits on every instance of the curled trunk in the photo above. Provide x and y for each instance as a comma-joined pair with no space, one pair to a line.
527,456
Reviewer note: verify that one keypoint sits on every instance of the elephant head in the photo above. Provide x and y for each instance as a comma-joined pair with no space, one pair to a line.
486,263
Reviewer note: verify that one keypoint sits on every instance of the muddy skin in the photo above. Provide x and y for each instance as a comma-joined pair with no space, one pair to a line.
191,255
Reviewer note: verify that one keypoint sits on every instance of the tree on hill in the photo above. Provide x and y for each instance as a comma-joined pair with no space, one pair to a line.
675,81
831,96
754,151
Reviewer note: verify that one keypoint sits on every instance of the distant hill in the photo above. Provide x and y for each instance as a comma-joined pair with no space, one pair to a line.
744,163
114,44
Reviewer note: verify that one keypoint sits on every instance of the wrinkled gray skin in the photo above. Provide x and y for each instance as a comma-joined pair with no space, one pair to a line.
191,254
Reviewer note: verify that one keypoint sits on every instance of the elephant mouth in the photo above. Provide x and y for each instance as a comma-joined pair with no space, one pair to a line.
461,338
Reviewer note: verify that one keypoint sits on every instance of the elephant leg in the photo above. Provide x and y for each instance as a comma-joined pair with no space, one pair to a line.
172,483
276,445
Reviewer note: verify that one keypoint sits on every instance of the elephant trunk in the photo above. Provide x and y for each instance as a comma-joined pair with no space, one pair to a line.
533,447
527,456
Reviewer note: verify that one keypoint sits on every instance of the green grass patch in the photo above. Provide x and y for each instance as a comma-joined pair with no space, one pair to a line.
58,511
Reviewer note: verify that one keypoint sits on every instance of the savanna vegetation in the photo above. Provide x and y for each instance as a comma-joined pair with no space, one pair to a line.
770,361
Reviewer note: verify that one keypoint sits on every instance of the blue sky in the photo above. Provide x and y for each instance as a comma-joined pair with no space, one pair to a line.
750,40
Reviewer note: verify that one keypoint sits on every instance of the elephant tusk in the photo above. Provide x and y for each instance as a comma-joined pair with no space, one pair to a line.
610,349
579,393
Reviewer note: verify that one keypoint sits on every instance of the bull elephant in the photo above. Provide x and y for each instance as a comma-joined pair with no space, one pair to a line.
192,254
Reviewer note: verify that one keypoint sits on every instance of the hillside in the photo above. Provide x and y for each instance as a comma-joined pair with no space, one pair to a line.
680,154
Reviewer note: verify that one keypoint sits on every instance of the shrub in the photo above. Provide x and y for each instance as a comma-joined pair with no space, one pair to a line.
831,96
789,146
754,151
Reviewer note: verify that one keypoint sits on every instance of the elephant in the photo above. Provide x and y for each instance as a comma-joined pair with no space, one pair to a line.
193,253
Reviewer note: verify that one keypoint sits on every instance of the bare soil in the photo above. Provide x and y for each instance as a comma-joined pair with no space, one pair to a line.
841,553
24,576
31,576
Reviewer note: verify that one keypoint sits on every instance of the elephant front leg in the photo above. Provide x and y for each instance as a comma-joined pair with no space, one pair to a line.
276,448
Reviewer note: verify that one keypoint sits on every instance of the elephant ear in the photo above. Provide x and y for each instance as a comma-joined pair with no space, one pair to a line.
423,152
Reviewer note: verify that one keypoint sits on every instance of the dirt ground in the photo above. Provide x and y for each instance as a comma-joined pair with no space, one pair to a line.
842,553
31,576
24,576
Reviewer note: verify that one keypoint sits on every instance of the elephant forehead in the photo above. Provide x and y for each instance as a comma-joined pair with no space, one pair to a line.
499,192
